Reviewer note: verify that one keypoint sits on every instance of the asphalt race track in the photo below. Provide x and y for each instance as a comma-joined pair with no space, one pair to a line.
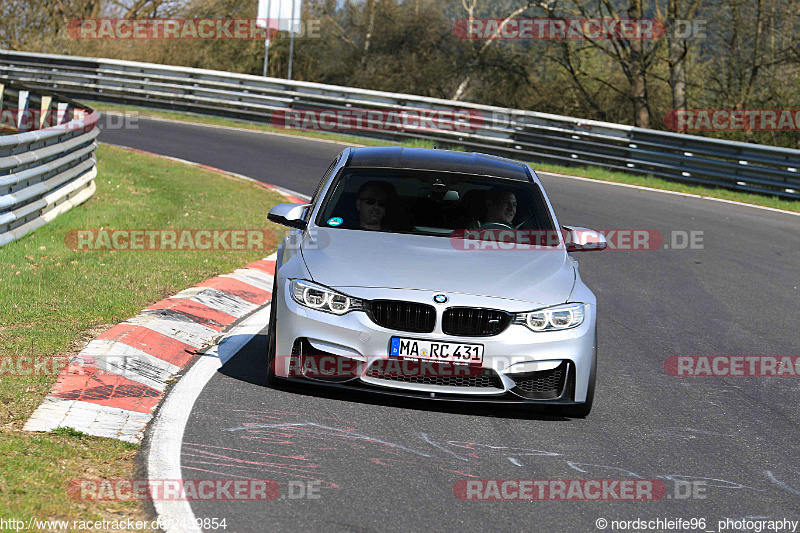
376,464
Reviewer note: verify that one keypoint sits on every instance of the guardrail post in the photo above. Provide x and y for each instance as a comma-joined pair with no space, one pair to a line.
23,124
44,117
62,113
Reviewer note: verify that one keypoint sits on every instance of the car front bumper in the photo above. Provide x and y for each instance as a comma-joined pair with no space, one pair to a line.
521,363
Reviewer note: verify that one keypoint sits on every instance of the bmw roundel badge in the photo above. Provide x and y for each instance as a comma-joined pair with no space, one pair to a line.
440,298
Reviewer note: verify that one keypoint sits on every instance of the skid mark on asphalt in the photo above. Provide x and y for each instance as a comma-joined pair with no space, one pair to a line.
319,429
781,484
311,440
295,466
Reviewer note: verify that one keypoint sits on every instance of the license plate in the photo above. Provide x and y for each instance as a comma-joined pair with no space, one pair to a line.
437,351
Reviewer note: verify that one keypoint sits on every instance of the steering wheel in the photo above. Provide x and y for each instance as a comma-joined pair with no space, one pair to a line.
523,222
495,225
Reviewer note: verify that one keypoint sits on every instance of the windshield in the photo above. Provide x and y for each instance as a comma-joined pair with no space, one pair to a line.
431,203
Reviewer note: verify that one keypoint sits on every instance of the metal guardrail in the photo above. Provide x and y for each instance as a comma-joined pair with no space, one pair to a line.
525,135
47,162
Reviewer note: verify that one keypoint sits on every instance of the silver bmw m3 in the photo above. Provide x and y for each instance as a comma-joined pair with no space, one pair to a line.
435,274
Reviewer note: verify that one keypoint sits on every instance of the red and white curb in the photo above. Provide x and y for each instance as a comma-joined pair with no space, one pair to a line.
113,386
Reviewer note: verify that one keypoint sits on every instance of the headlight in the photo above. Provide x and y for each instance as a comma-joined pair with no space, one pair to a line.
322,298
552,318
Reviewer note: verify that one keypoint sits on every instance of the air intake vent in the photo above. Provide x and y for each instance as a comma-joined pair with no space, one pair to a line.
542,385
403,316
441,374
474,322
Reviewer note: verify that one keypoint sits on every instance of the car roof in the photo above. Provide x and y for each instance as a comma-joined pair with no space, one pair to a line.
442,160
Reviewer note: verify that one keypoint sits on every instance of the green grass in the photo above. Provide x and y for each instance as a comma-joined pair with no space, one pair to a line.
53,300
69,432
597,173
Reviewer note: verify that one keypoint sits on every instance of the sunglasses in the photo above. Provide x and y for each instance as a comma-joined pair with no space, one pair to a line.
369,200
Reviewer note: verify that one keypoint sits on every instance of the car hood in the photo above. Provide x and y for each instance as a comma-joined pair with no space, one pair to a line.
342,258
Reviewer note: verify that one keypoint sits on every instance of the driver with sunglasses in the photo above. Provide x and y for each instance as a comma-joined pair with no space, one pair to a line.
371,204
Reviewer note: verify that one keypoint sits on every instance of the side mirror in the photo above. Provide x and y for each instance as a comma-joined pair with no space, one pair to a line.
583,239
290,215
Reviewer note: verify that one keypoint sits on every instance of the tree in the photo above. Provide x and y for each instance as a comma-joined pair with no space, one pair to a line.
678,49
469,6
